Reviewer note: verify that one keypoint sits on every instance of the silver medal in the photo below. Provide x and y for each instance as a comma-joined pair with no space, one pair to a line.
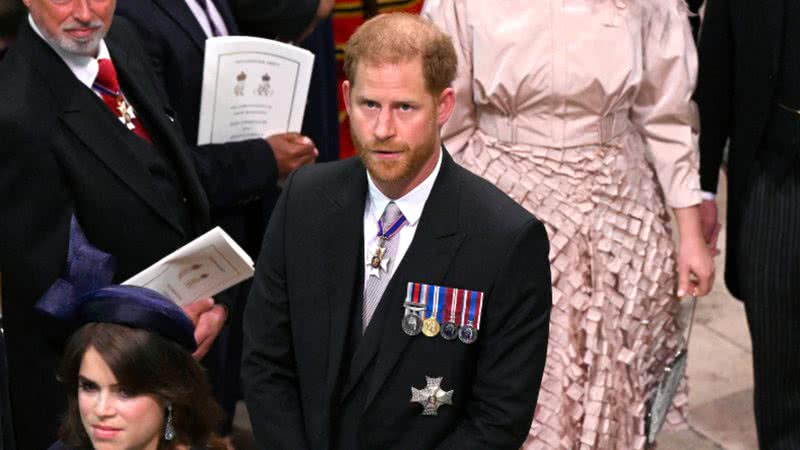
449,331
467,334
432,396
412,324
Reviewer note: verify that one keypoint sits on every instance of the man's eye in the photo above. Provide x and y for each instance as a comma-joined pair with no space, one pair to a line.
371,104
406,107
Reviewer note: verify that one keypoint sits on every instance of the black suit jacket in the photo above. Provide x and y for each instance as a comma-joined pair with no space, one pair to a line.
234,173
302,382
276,19
65,153
739,52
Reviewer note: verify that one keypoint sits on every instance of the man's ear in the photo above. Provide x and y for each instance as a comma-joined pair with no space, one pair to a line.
346,95
446,103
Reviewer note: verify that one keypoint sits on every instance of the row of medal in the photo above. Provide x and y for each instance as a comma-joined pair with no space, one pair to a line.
438,310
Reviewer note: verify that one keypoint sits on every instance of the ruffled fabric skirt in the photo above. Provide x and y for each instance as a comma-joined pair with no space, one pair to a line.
613,325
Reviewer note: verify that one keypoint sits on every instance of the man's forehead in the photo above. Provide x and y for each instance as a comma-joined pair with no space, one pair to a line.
389,62
377,71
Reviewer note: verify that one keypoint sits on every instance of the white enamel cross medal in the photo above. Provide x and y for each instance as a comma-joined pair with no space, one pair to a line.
126,114
378,262
432,396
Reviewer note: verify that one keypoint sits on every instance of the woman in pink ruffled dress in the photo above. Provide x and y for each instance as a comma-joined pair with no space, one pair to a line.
580,110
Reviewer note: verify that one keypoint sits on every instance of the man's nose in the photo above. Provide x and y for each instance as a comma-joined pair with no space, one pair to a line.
82,11
384,125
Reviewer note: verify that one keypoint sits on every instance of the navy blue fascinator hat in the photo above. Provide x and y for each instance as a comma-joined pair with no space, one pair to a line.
84,295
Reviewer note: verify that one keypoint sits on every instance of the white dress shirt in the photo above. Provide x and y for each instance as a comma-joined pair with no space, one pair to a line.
411,205
203,18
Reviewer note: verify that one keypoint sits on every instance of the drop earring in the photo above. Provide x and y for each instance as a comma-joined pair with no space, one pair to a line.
169,430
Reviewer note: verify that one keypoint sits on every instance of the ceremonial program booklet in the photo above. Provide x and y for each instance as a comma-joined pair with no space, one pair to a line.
200,269
252,88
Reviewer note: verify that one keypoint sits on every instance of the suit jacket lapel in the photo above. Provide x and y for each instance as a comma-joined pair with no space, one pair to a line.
343,254
227,15
427,260
184,19
139,86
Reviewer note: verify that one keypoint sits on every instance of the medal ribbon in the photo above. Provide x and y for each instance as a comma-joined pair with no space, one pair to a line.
429,300
448,305
439,310
475,299
419,294
411,299
479,313
464,299
471,312
393,229
105,90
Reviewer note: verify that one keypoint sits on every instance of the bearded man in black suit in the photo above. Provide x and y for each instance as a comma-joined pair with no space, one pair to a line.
402,302
748,93
87,133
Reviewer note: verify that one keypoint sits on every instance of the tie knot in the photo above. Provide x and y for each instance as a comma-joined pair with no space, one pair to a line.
107,75
391,213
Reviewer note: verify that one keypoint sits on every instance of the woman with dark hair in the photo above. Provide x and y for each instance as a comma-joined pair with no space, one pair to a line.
131,380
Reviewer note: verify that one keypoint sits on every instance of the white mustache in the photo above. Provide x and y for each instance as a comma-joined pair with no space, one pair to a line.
76,25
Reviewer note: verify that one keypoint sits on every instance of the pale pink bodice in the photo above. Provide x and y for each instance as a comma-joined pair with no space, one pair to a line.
573,73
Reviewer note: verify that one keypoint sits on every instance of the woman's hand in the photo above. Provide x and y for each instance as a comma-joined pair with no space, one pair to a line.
695,263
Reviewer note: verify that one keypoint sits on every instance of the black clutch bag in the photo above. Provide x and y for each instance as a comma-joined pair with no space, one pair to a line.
660,401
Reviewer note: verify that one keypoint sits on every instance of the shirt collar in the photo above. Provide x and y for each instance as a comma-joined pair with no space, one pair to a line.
85,68
411,204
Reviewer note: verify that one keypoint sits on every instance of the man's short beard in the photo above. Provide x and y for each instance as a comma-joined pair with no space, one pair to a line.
86,48
394,171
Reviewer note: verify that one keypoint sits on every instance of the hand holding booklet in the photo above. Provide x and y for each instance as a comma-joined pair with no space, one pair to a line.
200,269
252,88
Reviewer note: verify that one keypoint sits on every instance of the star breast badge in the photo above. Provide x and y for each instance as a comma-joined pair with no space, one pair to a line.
126,113
432,396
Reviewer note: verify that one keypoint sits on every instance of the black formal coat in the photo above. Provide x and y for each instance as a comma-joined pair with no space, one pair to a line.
63,153
236,175
739,56
308,386
276,19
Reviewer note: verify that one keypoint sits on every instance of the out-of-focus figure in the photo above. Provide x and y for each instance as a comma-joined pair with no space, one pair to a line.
580,110
11,14
749,98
